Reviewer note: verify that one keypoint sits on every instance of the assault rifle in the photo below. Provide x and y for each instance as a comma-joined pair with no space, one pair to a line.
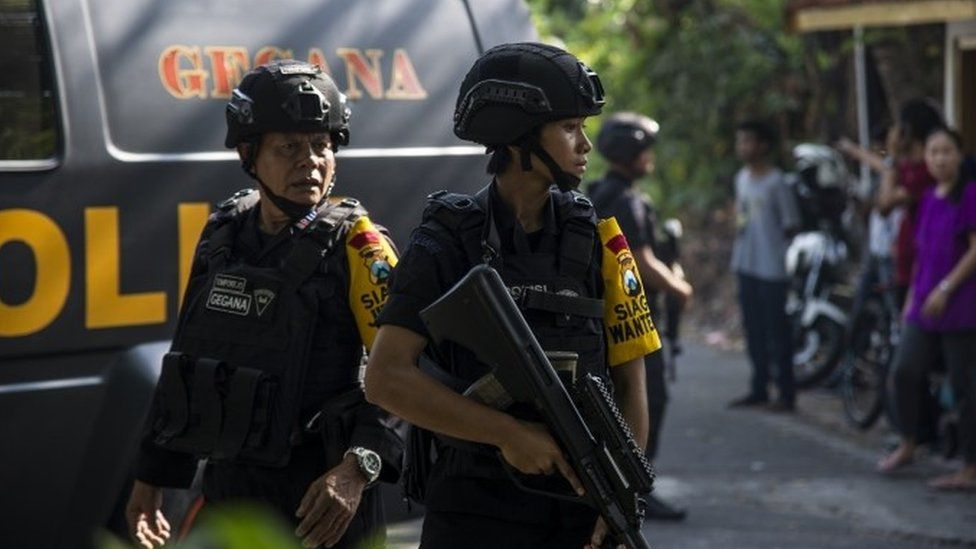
480,315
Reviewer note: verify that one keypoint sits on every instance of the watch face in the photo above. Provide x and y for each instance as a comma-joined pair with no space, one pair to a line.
371,463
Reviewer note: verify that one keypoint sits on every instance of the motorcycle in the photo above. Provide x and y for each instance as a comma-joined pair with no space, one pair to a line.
816,262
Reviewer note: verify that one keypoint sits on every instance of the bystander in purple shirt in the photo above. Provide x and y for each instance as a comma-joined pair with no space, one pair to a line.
941,238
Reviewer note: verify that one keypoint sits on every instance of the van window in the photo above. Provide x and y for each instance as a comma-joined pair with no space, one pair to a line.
28,131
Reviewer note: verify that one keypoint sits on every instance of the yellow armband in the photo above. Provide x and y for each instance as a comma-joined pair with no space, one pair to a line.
371,260
630,332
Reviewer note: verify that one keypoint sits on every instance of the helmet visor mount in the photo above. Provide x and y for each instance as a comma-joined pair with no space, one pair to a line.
591,88
306,104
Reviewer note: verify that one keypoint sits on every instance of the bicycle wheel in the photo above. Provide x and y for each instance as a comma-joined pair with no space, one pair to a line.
862,391
862,385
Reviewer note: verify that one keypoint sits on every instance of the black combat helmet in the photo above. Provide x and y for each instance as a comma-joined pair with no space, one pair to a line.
514,88
624,135
286,96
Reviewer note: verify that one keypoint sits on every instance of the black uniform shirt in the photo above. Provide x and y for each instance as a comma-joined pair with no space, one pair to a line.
618,197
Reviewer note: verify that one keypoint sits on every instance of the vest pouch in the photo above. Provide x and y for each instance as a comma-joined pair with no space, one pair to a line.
261,316
265,355
247,403
173,400
192,412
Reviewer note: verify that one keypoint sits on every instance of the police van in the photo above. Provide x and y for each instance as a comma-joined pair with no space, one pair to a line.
111,157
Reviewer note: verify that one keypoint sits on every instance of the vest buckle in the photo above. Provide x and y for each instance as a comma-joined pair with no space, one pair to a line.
488,253
582,200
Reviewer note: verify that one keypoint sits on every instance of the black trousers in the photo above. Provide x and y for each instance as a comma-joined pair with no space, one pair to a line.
488,513
282,490
768,335
657,399
918,351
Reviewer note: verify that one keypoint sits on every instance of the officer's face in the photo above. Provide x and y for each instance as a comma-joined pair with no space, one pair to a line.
565,140
644,163
297,166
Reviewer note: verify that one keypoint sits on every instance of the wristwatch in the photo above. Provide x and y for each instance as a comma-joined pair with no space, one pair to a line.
369,463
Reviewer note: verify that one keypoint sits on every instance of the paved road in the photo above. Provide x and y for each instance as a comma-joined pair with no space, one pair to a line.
753,479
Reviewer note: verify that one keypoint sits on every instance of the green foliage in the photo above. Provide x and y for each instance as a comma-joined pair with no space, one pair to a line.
241,526
697,66
28,132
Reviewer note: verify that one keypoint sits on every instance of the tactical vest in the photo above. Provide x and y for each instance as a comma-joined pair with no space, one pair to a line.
237,376
557,287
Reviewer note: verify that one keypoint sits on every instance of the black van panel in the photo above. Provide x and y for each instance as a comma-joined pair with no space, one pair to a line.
136,156
502,21
166,73
94,241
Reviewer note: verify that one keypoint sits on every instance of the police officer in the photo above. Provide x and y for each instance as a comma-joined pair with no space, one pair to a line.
263,376
527,103
627,140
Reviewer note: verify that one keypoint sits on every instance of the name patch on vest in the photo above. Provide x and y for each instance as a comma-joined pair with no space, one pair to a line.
228,295
225,302
520,289
230,283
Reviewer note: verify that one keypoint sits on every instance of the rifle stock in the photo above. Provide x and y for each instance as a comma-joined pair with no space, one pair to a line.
480,315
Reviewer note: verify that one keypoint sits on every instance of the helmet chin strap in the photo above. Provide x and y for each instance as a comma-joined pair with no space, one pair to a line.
294,210
564,180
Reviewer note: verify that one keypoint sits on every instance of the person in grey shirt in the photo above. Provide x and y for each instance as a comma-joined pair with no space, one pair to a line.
766,218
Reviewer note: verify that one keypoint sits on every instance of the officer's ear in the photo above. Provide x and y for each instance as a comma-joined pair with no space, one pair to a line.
245,151
513,154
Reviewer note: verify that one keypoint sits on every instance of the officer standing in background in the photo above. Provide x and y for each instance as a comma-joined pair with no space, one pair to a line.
263,376
626,141
569,274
